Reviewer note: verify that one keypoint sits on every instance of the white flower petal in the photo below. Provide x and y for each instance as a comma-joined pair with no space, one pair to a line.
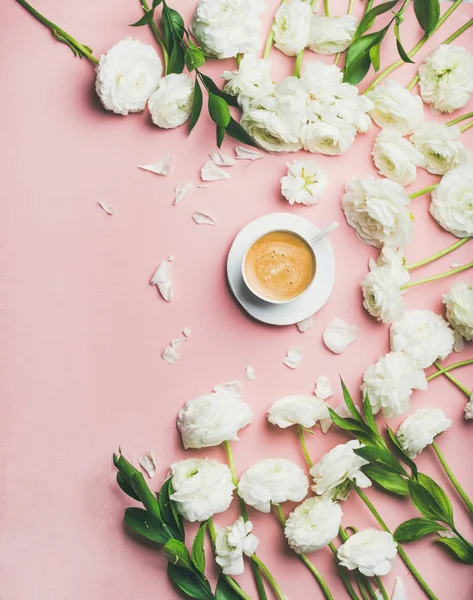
170,258
187,331
231,388
459,344
250,373
107,208
243,153
202,218
454,265
180,192
178,342
162,279
339,335
446,534
211,172
148,464
160,167
305,324
399,593
342,410
169,355
221,160
323,389
293,357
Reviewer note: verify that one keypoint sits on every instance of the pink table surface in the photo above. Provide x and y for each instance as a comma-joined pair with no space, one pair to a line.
83,331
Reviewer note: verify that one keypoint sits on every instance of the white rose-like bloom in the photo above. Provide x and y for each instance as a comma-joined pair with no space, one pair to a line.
225,28
459,305
396,107
422,335
352,107
291,26
390,382
377,210
330,138
469,409
271,131
330,35
231,543
305,182
202,488
381,287
272,481
452,202
336,469
214,418
127,75
313,525
395,157
302,409
370,551
446,78
440,146
251,82
419,429
171,104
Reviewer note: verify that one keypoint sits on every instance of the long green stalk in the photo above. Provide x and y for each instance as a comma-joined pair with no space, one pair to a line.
343,575
438,255
444,370
448,375
157,35
435,277
460,118
423,191
456,484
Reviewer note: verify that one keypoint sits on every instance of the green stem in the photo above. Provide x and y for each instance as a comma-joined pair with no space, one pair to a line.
416,48
303,558
461,492
435,277
267,573
443,370
423,191
349,9
235,587
78,48
239,58
305,452
467,126
381,587
369,588
157,35
423,584
360,585
463,388
343,575
458,119
299,59
244,513
438,255
270,39
326,8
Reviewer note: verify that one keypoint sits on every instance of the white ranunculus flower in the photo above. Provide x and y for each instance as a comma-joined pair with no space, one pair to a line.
452,202
271,131
382,294
336,469
396,107
330,138
419,429
305,182
272,481
291,26
378,211
395,157
352,107
370,551
459,305
231,543
330,35
127,75
202,488
422,335
301,409
225,28
446,78
390,382
251,83
469,409
313,525
214,418
440,146
171,104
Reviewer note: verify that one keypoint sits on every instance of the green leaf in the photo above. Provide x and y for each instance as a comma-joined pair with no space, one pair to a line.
146,19
375,59
236,131
177,554
431,503
190,583
218,110
415,529
156,3
368,413
390,482
358,69
146,496
224,591
439,495
168,510
173,27
211,87
427,13
350,404
463,551
220,135
194,58
176,59
368,19
125,487
383,457
362,45
346,423
196,105
400,48
144,523
400,452
198,553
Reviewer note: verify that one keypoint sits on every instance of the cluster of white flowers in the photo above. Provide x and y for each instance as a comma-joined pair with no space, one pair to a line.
370,551
225,28
459,305
446,78
301,409
305,182
231,543
420,429
296,27
452,204
317,112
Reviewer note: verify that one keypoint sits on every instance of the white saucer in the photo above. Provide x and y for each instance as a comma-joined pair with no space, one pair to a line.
300,308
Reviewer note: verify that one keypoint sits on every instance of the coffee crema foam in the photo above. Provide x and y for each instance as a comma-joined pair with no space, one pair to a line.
279,266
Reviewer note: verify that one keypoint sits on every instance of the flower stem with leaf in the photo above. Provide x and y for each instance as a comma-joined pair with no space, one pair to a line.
437,255
157,35
461,492
435,277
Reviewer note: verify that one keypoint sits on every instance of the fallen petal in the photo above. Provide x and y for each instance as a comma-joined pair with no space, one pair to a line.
170,258
250,373
203,186
169,355
148,464
160,167
221,160
176,343
342,410
180,192
293,357
455,265
202,218
339,335
247,153
323,389
232,388
305,324
107,208
210,172
399,593
162,280
187,331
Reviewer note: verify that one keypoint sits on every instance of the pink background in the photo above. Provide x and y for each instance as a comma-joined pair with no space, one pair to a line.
83,331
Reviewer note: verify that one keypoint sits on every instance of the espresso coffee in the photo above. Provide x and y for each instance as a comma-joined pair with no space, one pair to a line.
279,266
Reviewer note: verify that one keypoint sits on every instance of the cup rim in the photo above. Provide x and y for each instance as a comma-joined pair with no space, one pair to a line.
269,300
